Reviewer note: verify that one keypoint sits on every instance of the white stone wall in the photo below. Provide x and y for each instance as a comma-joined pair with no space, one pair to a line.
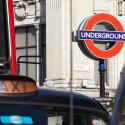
57,19
58,41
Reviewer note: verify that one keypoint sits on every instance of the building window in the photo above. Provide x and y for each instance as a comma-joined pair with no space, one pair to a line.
42,49
26,46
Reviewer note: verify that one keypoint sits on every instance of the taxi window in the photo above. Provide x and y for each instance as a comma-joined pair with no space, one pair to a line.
83,119
59,120
37,115
21,115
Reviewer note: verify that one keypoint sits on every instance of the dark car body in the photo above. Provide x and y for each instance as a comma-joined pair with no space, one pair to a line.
118,115
22,103
55,103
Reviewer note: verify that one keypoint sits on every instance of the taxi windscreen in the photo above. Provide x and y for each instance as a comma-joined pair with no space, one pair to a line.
4,40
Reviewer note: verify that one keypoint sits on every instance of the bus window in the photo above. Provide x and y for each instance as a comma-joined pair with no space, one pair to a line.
7,38
4,42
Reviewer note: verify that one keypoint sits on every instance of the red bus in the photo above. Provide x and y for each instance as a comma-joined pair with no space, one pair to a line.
7,38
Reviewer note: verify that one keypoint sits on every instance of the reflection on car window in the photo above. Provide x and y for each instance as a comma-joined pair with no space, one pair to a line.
98,121
56,119
48,115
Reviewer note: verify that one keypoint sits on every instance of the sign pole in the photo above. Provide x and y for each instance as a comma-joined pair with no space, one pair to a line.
102,77
86,38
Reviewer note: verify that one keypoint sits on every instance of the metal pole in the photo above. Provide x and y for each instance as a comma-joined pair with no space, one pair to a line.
102,77
71,72
37,53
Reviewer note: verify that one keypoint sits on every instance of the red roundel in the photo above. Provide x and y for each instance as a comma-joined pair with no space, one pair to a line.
90,45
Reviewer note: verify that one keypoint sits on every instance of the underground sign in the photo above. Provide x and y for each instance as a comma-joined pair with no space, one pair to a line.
87,37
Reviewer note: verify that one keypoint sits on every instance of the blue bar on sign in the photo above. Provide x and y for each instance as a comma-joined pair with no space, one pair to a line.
101,35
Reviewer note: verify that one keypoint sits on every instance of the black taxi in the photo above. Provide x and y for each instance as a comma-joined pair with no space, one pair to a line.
23,103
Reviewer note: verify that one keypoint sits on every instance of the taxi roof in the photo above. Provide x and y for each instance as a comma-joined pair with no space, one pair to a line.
23,90
53,96
53,100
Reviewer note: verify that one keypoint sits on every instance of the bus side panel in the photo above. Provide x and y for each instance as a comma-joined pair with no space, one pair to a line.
12,35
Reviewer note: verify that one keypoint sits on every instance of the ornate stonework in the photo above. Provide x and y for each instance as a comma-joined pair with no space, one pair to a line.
120,2
21,10
121,8
26,12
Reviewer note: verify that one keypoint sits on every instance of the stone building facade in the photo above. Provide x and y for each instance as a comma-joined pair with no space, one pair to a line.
29,21
43,28
59,25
